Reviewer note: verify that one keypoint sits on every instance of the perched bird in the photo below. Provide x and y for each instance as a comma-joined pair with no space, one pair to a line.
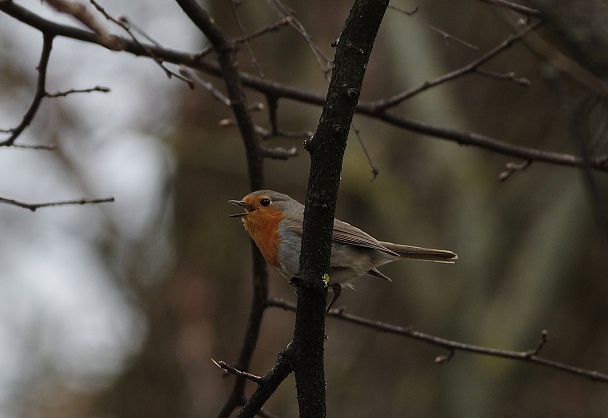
274,221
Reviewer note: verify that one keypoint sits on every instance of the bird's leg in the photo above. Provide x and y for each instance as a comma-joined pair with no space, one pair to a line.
337,289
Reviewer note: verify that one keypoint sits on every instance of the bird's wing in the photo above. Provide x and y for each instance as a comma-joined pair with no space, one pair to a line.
345,233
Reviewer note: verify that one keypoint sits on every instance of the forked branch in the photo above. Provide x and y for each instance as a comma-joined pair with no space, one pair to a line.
278,91
40,94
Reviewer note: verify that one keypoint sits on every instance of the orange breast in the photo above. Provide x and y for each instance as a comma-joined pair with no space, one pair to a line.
263,225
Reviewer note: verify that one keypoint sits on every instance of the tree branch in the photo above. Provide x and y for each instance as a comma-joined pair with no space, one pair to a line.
232,78
384,104
124,24
270,382
528,11
80,12
34,206
74,91
445,35
326,150
231,369
278,90
40,94
228,70
530,356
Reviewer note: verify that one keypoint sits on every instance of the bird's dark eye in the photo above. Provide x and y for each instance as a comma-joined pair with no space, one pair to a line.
265,202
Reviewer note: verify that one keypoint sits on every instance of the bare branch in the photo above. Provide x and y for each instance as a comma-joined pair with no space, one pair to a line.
435,29
34,206
254,61
228,70
193,60
325,63
283,21
217,95
36,147
38,96
543,340
123,22
510,76
269,383
471,67
528,11
529,356
73,91
81,13
233,81
444,358
599,163
375,170
266,134
231,369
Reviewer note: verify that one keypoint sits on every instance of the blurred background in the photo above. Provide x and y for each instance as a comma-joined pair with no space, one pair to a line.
117,309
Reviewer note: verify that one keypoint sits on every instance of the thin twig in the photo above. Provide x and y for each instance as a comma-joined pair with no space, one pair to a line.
267,133
34,206
544,337
510,76
511,168
283,21
245,40
528,11
384,104
324,62
123,22
126,21
217,95
51,147
599,163
270,382
529,356
375,170
73,91
444,34
231,369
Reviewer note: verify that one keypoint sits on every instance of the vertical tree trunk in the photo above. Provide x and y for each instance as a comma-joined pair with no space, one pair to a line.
326,150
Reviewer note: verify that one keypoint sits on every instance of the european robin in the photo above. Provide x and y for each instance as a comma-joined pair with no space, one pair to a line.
274,221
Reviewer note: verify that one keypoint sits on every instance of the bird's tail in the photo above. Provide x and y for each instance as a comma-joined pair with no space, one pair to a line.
419,253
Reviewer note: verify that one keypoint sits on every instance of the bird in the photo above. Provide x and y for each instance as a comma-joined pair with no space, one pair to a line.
274,222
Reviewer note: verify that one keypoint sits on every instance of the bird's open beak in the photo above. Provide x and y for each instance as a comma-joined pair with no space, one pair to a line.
241,204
